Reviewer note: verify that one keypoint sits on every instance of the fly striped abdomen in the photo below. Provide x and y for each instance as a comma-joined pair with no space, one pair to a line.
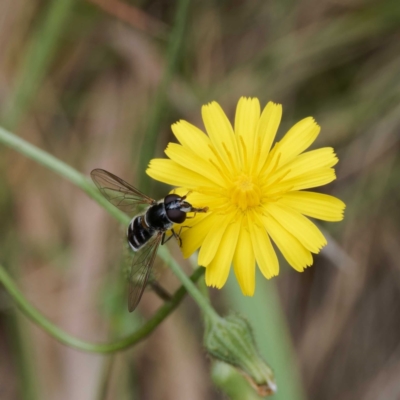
139,233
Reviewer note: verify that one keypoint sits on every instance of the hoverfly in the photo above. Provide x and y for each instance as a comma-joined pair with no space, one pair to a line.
147,230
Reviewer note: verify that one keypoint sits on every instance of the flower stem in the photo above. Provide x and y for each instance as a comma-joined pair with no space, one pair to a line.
62,169
271,329
34,315
194,292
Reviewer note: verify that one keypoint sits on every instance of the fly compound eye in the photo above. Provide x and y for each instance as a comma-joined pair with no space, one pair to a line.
170,198
176,215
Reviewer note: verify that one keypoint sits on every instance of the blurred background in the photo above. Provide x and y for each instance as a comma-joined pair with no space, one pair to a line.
97,83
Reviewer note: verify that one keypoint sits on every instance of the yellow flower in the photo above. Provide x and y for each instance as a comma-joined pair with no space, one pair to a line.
254,191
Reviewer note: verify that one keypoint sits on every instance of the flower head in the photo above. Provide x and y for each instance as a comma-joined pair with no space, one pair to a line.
255,191
231,341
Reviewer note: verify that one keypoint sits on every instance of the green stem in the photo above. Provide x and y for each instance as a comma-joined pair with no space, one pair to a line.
160,104
34,315
105,377
19,333
194,292
272,334
62,169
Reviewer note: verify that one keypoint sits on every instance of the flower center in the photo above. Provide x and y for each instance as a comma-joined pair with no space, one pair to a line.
245,193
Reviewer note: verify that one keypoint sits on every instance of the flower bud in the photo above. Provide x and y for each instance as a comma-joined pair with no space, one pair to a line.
232,382
231,340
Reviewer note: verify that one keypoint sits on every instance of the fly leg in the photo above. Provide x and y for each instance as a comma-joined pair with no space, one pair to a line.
159,290
175,235
165,239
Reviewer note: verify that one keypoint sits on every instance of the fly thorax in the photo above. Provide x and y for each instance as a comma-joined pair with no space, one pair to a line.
156,218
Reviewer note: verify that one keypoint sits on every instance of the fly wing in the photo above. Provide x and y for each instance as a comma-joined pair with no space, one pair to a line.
141,267
118,192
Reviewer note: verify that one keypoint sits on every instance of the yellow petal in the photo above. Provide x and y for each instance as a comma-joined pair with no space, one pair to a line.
294,252
246,120
305,163
170,172
298,139
312,179
220,132
211,200
193,161
193,237
180,191
299,226
218,270
265,254
320,177
193,138
244,263
266,130
315,205
213,239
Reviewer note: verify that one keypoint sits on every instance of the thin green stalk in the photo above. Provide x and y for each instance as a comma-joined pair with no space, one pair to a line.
105,377
36,61
265,313
34,315
194,292
158,110
19,332
62,169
